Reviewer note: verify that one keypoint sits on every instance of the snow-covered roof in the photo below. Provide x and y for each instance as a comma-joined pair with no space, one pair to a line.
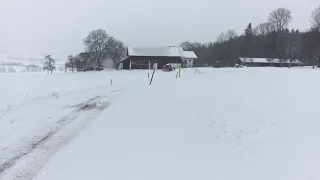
189,54
166,51
265,60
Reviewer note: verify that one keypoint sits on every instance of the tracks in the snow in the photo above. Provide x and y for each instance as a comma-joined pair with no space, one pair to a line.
22,160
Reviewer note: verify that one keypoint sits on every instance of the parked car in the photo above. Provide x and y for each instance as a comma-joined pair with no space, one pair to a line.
99,68
89,68
167,68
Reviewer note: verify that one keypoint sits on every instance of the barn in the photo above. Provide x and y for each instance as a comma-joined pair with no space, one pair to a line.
152,57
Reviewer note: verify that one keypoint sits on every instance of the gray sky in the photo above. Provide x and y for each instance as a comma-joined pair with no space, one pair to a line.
57,27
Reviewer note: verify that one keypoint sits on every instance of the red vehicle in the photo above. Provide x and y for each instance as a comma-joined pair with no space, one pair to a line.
167,68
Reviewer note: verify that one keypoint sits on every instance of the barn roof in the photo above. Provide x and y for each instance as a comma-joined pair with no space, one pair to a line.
265,60
189,54
166,51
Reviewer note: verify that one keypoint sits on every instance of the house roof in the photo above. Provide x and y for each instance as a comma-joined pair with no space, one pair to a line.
166,51
265,60
189,54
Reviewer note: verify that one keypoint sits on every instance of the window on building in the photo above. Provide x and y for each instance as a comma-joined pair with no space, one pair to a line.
189,60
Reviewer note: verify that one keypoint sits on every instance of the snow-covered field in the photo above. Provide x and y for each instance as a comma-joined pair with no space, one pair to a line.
248,123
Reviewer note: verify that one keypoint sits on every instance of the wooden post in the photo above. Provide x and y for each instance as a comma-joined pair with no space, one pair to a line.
111,82
152,76
179,69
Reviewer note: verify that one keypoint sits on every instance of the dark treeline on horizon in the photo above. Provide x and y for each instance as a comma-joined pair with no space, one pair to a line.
271,39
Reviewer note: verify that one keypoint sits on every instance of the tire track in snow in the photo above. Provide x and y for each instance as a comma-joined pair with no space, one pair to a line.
17,152
34,155
12,107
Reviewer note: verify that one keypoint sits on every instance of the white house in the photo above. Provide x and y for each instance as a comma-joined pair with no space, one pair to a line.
188,58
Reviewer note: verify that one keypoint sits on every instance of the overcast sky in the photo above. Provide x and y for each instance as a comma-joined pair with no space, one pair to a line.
57,27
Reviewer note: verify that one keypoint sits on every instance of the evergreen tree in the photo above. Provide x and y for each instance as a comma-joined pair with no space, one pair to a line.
248,32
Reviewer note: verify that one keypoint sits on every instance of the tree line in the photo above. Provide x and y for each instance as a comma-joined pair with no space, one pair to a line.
99,46
270,40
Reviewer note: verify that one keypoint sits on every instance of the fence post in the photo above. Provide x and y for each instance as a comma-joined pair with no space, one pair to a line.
111,82
152,76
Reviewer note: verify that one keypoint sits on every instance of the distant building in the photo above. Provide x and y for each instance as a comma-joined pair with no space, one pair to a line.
188,58
32,68
156,57
263,62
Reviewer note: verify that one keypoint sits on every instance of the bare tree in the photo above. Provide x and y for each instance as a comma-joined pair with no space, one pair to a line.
293,46
255,31
98,43
315,19
71,63
280,18
221,37
49,64
230,34
251,61
65,67
84,59
117,52
77,62
263,28
190,46
186,45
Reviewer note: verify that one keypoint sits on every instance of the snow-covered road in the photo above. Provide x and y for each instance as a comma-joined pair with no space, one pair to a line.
251,123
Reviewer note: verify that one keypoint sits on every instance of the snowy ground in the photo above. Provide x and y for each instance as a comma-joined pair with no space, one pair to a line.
248,123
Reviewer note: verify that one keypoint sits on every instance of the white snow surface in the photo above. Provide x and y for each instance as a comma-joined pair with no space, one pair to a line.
246,124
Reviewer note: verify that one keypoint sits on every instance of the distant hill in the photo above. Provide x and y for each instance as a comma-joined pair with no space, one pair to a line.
9,63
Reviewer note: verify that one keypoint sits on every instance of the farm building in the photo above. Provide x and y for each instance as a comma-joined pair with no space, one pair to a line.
33,68
263,62
188,58
156,57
